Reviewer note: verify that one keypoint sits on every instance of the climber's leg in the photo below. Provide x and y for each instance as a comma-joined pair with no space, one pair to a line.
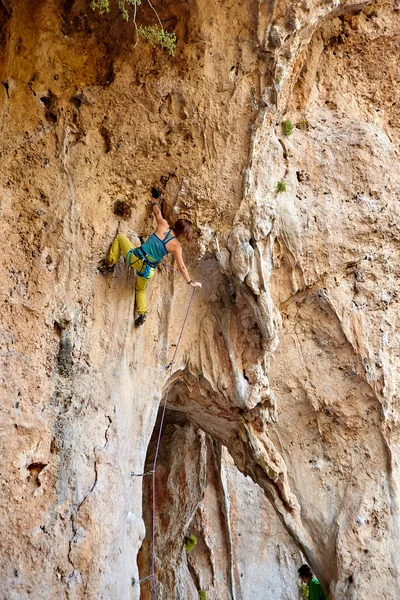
120,244
140,293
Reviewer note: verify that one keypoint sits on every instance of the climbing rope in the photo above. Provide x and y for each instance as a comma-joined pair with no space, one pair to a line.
170,366
170,268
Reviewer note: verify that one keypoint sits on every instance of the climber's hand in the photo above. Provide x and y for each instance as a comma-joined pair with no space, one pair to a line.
196,284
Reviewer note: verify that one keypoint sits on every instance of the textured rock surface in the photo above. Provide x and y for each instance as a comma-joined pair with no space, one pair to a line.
241,550
290,359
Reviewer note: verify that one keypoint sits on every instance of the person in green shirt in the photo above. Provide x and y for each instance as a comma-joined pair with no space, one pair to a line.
312,587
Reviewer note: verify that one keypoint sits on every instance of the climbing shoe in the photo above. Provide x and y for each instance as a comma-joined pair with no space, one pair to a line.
141,319
103,267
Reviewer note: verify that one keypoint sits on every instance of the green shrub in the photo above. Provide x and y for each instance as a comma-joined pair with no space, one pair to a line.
281,186
190,543
287,127
202,595
158,37
103,6
155,34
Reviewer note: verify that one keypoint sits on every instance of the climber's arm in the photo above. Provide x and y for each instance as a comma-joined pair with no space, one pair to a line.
177,252
159,218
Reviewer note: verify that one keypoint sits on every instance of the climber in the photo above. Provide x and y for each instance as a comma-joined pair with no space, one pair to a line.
313,590
146,258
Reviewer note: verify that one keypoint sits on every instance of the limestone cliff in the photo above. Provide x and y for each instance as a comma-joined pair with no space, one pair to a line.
288,368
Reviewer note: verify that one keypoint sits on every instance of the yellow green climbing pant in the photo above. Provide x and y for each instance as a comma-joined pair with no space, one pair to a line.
122,244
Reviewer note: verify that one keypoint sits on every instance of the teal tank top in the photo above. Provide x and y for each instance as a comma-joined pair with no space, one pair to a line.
154,248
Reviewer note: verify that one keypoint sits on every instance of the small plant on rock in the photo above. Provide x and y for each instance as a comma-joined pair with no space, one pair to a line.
287,127
302,124
103,6
202,595
156,36
190,542
281,187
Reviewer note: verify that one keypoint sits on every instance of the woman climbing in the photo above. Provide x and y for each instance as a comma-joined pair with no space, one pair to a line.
146,258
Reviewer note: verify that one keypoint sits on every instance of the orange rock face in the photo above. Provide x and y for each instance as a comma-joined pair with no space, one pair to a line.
288,366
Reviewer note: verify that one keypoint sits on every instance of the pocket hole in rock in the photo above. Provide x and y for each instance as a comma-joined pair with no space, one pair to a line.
77,102
34,471
122,209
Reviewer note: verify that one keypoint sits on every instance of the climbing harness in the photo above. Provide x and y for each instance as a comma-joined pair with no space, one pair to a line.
152,472
140,255
150,252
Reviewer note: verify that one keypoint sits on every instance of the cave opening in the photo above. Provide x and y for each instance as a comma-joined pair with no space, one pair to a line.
202,497
189,491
